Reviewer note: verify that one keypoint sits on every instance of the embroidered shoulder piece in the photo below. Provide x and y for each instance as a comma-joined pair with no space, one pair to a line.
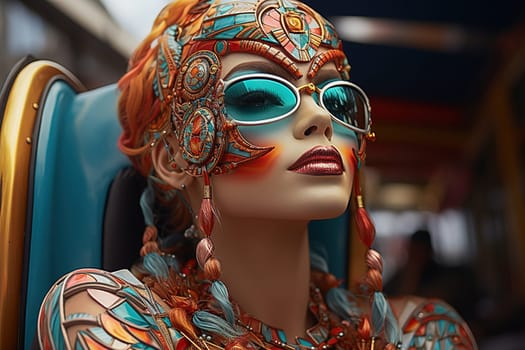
433,324
120,314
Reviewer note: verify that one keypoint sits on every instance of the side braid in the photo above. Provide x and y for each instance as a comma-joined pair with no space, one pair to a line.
382,317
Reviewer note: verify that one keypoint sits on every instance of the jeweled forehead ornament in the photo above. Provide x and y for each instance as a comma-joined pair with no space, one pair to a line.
189,67
284,31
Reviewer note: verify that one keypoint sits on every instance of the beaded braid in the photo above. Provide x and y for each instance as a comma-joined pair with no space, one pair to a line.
163,269
212,270
339,300
159,274
145,121
382,317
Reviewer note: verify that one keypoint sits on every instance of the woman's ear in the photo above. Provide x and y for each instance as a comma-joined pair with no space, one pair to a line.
169,164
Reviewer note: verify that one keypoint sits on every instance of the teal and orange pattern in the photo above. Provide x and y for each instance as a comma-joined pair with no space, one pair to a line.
187,75
435,325
131,318
286,24
120,312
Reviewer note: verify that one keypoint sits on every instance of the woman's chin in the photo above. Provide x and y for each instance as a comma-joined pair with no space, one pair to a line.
294,212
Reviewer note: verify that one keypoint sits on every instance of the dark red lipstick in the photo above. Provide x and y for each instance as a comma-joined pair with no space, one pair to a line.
319,161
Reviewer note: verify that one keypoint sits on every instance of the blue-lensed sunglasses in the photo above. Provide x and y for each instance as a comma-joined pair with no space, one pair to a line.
260,98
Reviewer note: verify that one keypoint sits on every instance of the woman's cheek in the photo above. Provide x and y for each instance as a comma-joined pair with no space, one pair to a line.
348,153
262,136
258,167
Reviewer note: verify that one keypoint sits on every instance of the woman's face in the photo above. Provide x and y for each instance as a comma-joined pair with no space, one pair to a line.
309,173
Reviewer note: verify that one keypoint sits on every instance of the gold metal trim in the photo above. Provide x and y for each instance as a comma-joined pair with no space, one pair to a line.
16,133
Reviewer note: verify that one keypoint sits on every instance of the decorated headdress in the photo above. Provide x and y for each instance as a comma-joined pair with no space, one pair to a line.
189,67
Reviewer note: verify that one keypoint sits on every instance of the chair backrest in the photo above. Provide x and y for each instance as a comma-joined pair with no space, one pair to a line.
58,164
58,157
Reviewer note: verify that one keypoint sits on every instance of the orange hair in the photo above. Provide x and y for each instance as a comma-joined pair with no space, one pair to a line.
140,111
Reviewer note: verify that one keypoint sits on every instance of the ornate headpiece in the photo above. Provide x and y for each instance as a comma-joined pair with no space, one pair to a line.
188,70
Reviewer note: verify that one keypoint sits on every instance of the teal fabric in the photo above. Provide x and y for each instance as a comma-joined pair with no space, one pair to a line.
76,159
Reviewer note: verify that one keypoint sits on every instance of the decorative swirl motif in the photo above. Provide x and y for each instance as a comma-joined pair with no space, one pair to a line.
198,135
198,74
298,32
207,139
168,60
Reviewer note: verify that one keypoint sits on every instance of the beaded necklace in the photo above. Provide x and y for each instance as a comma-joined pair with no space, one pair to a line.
329,332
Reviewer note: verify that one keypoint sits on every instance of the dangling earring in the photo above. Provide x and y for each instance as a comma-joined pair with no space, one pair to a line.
205,248
365,227
209,263
382,317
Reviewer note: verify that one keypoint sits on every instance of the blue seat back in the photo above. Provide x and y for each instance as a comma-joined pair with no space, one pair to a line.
76,160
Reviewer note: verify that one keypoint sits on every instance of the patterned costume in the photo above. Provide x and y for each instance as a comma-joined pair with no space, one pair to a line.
133,318
183,96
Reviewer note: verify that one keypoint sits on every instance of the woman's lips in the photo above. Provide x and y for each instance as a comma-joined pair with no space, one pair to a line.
320,160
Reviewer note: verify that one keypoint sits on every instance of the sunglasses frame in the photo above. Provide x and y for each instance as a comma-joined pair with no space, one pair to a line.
297,92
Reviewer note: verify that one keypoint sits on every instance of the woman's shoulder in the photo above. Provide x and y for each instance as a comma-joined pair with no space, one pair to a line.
431,324
91,308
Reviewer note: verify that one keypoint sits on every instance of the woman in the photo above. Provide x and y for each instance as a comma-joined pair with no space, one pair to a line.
241,115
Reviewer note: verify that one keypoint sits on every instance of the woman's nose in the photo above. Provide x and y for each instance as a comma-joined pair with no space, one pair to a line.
312,120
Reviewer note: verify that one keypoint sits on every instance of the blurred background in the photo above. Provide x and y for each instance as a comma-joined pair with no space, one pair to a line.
444,180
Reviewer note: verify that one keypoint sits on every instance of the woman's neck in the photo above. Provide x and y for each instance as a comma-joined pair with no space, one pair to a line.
266,266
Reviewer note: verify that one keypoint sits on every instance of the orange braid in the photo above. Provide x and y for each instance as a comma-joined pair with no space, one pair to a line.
206,217
365,228
149,241
212,269
150,234
366,232
149,247
374,277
